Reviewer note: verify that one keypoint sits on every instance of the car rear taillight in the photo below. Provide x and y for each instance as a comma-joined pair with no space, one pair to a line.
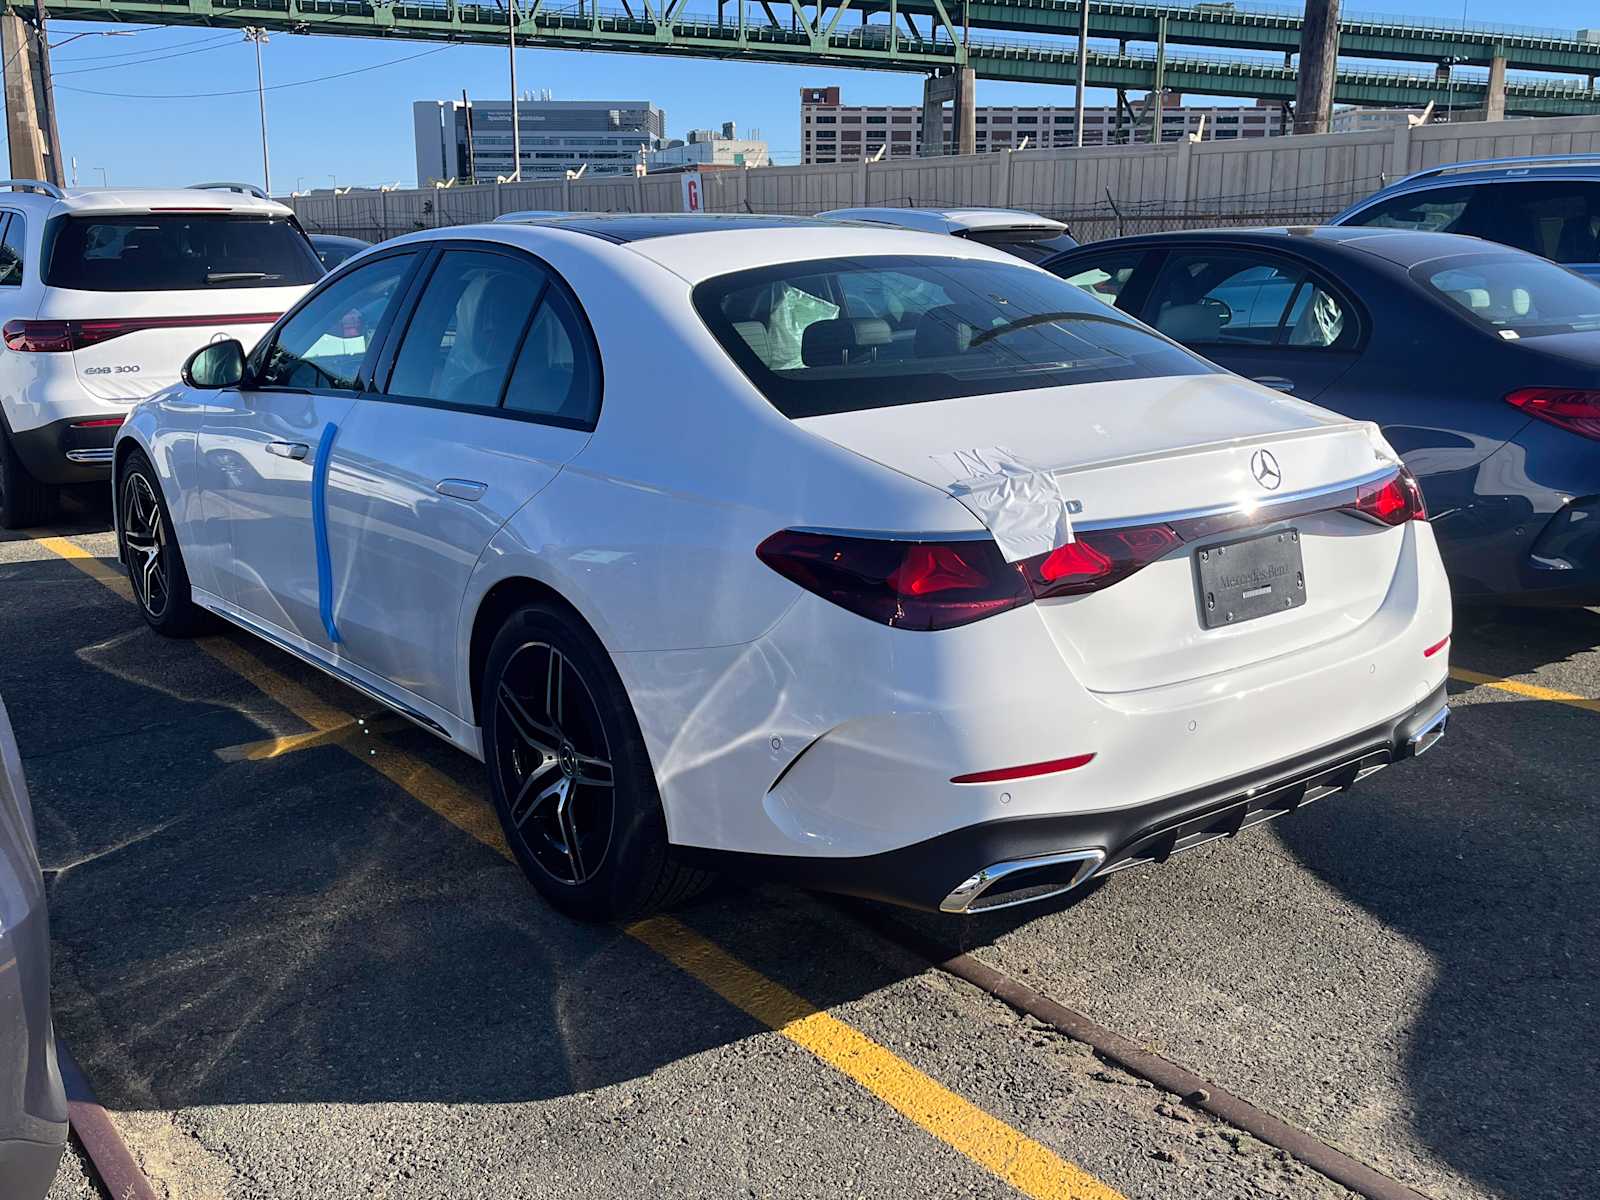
1576,409
1097,559
38,337
1393,500
57,337
910,585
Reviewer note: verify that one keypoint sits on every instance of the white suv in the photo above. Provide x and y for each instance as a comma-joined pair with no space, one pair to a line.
103,294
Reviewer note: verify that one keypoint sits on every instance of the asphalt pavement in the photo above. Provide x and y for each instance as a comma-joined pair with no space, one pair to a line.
293,963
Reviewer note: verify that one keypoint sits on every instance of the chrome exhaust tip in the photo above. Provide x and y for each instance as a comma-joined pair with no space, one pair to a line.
1423,739
1022,881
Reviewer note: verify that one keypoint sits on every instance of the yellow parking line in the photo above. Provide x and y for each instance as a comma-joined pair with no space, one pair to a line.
356,731
1530,690
1031,1168
1022,1162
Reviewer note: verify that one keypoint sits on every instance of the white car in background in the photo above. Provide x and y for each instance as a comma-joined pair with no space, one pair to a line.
879,561
103,294
1026,235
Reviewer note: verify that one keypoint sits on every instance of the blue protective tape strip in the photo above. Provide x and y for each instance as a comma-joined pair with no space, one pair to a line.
319,523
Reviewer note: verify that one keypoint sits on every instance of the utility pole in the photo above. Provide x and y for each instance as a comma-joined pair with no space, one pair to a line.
516,125
1319,60
1083,65
30,116
253,33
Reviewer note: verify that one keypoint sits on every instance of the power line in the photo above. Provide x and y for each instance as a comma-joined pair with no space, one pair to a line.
393,62
213,44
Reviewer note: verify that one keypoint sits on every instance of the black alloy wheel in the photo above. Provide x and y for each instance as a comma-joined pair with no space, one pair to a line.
570,774
554,764
150,551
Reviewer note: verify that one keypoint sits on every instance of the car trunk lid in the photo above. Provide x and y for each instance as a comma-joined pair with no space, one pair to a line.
1152,452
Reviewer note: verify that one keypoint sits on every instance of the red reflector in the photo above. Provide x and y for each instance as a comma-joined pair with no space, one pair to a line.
54,337
1026,772
1575,409
98,423
1436,647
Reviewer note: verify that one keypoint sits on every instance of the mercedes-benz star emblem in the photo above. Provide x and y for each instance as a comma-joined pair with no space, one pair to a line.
1266,470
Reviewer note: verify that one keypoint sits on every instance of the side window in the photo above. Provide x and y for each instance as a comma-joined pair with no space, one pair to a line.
11,251
555,374
324,344
1222,299
1559,220
463,336
1436,210
1103,278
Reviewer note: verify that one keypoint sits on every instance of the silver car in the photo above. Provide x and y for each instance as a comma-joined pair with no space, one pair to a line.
33,1107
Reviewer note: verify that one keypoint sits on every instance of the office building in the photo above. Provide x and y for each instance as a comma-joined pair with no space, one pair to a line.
831,131
472,140
710,148
1363,120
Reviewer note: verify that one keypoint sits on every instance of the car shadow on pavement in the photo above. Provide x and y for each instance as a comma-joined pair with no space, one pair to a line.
1494,874
301,929
1516,641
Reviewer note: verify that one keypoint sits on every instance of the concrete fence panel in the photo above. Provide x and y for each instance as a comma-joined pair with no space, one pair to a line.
1100,190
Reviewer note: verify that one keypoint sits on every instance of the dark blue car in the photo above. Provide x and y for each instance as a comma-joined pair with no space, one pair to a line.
1548,205
1480,362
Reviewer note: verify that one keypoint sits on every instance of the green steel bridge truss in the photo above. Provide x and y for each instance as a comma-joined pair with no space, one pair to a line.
928,35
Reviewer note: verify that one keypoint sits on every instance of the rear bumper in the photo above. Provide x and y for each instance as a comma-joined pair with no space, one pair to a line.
999,863
67,451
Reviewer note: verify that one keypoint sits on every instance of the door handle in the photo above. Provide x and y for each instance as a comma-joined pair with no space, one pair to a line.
294,450
1276,381
461,489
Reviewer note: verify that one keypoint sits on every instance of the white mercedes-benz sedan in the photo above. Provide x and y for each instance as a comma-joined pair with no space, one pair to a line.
874,560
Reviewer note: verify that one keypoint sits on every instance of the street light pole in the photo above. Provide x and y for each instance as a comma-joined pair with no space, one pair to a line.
258,35
516,125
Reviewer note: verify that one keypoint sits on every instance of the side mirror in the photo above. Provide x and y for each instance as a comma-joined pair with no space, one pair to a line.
219,365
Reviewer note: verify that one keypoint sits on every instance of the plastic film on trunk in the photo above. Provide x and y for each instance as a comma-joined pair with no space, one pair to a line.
1021,503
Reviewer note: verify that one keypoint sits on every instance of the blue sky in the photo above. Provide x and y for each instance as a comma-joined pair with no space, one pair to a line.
358,128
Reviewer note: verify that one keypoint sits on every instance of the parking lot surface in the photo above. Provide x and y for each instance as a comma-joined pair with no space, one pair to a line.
294,961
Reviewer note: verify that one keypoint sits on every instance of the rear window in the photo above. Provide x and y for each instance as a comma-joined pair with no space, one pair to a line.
159,252
1026,244
1516,297
840,335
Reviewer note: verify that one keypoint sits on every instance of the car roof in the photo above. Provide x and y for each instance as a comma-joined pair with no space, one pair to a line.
695,247
951,220
1403,247
339,239
622,228
212,197
1484,170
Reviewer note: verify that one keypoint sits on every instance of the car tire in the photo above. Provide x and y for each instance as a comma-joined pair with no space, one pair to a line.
570,774
24,501
150,550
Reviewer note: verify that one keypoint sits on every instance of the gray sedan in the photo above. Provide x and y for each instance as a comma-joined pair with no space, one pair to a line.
33,1107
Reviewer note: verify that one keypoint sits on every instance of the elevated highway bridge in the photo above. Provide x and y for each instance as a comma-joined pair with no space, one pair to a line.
933,35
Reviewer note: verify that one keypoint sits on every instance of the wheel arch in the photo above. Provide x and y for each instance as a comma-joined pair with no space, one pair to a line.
502,599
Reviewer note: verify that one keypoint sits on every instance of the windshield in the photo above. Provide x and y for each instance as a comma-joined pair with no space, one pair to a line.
171,252
839,335
1517,297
